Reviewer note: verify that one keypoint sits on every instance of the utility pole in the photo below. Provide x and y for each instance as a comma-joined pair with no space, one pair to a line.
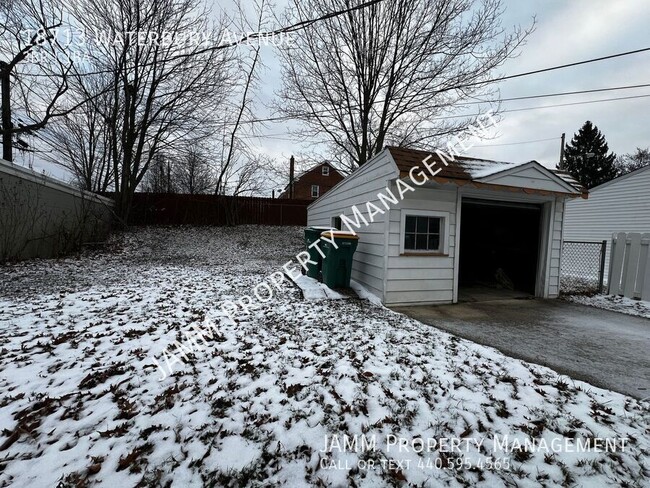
5,83
561,165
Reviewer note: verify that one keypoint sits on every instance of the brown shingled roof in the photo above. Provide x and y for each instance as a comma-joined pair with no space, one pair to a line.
460,168
409,158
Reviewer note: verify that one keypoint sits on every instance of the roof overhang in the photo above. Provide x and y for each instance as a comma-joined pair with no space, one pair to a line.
528,178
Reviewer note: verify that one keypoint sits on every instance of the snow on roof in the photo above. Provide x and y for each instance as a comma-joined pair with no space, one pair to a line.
568,179
479,168
464,167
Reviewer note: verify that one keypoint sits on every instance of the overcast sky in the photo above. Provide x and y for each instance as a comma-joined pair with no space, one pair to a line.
566,32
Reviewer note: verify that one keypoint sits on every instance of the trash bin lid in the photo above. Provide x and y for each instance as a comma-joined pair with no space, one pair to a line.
339,234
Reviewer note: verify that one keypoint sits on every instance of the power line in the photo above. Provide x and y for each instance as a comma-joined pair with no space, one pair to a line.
518,143
523,109
586,102
562,66
288,117
560,94
299,25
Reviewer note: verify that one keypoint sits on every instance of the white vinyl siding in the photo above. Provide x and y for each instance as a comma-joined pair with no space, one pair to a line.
357,189
622,205
421,279
528,176
402,277
556,249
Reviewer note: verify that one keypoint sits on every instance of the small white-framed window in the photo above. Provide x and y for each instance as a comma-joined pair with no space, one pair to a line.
424,231
325,170
315,191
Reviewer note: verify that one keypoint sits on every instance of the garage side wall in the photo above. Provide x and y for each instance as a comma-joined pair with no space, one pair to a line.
556,249
358,189
420,279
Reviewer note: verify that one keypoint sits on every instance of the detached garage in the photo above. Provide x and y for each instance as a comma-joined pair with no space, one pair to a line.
477,230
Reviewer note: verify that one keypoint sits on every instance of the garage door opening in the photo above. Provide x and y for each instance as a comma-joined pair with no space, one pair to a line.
499,250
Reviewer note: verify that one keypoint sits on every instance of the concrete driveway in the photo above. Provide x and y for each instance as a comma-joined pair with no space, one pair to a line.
607,349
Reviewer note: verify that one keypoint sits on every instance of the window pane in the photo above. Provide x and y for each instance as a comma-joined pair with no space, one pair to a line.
410,224
422,225
434,243
409,241
420,241
434,225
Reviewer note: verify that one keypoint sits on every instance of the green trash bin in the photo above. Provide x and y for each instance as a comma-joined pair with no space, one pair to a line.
337,263
312,234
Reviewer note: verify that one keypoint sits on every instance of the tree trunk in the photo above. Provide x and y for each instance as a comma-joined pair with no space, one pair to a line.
7,149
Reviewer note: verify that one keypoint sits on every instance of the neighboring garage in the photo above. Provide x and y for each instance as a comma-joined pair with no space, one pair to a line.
499,248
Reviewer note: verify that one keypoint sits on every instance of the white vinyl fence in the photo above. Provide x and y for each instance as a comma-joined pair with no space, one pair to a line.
629,265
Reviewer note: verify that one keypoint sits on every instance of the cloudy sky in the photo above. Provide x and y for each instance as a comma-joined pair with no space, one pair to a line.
568,32
565,32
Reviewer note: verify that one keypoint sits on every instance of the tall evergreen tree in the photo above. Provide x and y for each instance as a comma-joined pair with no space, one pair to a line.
588,159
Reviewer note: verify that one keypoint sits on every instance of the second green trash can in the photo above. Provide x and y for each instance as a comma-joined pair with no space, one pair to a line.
312,234
337,263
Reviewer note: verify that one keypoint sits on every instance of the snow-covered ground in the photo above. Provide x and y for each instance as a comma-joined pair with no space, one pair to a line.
81,402
614,303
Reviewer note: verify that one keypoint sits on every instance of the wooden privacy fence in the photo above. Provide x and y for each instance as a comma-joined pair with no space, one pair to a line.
176,209
629,265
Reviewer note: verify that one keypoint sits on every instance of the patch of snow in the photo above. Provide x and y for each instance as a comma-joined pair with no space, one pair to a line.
481,169
614,303
81,403
364,294
314,290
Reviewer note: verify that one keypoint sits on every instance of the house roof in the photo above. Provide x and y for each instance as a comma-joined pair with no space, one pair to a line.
312,168
309,170
463,169
620,178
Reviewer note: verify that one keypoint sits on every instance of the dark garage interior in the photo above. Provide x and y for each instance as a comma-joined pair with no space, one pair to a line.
499,247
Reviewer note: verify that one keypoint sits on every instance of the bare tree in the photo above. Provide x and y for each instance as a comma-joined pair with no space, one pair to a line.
235,147
159,176
165,90
249,178
382,74
627,163
34,67
80,142
192,172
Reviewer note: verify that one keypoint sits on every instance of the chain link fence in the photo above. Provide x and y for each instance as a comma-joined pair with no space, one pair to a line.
583,267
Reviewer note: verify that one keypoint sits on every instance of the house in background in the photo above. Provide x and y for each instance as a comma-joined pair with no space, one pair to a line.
619,205
313,183
478,230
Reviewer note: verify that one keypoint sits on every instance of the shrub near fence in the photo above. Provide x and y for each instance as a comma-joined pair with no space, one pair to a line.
177,209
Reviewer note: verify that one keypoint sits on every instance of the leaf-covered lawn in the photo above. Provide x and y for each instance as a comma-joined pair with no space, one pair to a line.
81,402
